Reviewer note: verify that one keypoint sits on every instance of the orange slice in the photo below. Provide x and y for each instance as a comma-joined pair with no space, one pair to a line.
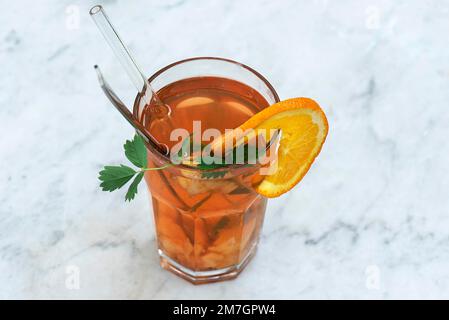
303,128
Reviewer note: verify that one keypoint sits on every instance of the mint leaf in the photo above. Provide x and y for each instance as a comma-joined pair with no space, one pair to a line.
132,190
136,151
115,177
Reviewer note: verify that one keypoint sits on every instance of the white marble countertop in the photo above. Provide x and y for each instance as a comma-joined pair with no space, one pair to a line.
370,220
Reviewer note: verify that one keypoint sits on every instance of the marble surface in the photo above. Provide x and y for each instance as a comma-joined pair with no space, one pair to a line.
370,220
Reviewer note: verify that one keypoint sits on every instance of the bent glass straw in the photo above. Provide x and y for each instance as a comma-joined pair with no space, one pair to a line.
122,53
120,106
136,76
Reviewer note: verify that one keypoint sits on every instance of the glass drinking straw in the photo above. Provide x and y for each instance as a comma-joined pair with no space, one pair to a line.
139,80
136,76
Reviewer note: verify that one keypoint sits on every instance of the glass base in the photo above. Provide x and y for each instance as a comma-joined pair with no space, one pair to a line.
201,277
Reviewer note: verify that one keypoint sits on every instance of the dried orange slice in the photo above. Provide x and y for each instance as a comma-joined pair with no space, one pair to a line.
303,128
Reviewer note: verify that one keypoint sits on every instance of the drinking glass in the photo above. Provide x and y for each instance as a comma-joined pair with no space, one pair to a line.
207,225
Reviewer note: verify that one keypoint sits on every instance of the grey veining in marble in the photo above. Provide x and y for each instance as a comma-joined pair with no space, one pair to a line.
371,218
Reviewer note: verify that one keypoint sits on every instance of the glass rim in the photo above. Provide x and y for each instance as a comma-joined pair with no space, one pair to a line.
256,73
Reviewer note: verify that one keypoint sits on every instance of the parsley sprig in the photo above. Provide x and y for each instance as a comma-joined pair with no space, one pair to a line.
115,177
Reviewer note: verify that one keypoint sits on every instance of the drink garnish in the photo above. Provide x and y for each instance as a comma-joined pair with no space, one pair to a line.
303,127
115,177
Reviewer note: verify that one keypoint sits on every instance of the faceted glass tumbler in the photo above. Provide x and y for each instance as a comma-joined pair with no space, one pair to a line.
207,229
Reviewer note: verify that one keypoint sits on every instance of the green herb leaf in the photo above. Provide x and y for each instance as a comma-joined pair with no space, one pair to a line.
213,174
211,166
205,166
136,151
249,156
115,177
132,190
